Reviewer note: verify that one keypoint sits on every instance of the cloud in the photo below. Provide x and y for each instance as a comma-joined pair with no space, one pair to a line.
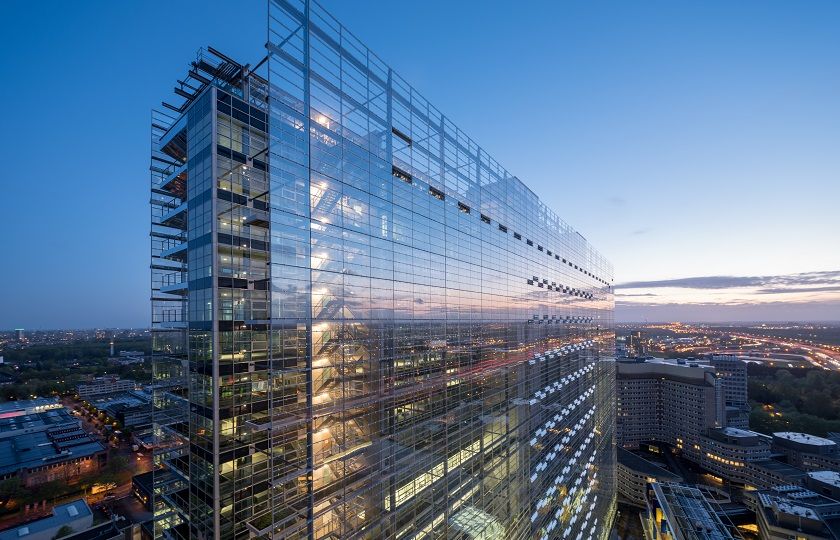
639,232
735,312
825,278
785,290
634,294
615,200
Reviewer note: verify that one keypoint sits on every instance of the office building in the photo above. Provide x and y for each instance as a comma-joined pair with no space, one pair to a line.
732,373
368,327
666,401
20,335
102,386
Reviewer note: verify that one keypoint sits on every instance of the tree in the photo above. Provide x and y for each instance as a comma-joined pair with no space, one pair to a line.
65,530
10,489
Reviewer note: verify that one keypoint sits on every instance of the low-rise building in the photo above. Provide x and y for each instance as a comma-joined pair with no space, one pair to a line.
131,409
772,472
680,512
634,473
11,409
807,452
825,483
46,446
18,422
101,386
793,512
76,516
725,452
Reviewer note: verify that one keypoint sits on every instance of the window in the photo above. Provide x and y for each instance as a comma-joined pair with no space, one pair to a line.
463,208
401,174
502,228
485,219
401,135
517,236
437,194
530,243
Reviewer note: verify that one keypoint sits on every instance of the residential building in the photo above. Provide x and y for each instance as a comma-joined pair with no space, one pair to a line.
370,329
102,386
75,515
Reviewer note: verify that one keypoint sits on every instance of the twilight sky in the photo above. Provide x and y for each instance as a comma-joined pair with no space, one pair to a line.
697,145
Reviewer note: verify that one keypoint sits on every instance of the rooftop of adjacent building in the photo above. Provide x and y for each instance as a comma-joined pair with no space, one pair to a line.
62,514
51,446
826,477
11,423
24,405
122,400
779,468
643,466
689,511
804,438
738,432
688,371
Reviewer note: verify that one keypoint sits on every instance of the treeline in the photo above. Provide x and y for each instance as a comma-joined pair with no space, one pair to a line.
806,400
45,370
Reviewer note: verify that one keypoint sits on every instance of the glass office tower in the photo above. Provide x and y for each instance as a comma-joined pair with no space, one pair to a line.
363,325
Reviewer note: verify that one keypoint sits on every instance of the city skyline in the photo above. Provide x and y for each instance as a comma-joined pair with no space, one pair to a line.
721,160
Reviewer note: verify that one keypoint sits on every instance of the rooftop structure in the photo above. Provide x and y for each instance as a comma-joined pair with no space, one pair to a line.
76,514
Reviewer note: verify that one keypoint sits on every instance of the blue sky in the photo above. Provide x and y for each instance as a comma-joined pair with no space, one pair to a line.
684,140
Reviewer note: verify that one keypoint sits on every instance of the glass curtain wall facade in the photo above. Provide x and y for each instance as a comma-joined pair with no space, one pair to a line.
364,326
